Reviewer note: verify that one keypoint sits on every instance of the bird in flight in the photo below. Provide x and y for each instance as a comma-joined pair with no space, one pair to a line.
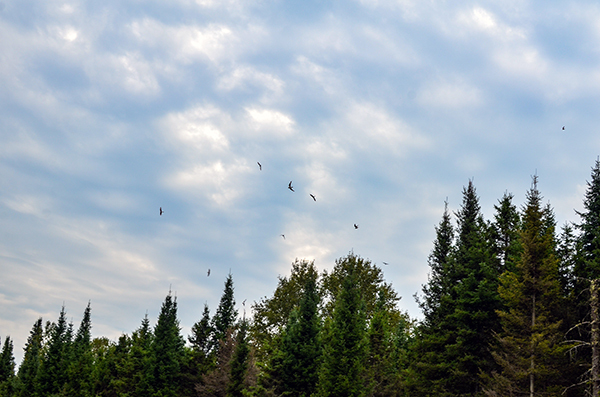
283,235
563,127
313,197
244,302
160,211
355,226
290,186
208,273
385,263
259,166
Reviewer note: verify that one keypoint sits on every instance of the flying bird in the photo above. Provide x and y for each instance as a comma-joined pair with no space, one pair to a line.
259,166
313,197
290,186
283,235
208,273
385,263
563,127
244,302
355,226
160,211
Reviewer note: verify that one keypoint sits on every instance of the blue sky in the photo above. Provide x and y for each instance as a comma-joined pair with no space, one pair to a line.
381,109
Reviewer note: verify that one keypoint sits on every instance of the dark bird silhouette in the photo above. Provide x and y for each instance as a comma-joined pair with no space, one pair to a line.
160,211
313,197
290,186
208,273
283,235
385,263
355,226
244,302
259,166
563,127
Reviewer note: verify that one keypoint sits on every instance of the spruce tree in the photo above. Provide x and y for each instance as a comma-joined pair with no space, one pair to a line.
52,374
298,361
239,363
198,361
7,368
79,380
505,232
167,351
530,349
140,358
380,367
226,314
28,370
342,371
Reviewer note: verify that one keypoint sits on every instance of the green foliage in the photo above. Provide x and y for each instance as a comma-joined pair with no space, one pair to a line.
167,351
79,370
529,351
28,370
226,314
342,371
52,374
239,363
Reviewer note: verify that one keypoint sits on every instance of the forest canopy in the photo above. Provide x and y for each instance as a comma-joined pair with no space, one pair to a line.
510,308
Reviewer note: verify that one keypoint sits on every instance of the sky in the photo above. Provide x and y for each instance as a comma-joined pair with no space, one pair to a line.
381,109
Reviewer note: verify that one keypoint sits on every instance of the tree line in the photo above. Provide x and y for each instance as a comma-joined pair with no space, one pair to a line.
508,310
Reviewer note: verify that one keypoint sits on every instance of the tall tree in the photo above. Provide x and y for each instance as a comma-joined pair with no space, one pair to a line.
530,352
298,361
79,381
380,369
240,363
28,370
52,374
505,232
167,350
345,348
460,307
7,368
198,360
226,314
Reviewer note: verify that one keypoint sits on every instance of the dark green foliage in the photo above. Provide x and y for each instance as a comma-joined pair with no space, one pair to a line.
199,361
530,351
79,381
226,314
440,282
52,374
7,368
461,304
167,351
28,370
342,371
505,232
272,314
297,362
239,363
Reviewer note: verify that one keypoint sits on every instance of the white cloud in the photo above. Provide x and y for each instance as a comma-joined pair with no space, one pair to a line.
269,120
450,95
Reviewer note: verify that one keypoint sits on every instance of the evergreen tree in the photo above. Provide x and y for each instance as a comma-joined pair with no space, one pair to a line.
439,283
167,351
80,363
226,314
198,360
28,370
140,358
380,367
52,374
345,349
297,362
460,304
7,368
215,382
505,232
239,363
271,315
530,352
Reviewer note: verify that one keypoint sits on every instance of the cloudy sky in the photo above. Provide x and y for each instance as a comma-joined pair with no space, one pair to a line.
381,109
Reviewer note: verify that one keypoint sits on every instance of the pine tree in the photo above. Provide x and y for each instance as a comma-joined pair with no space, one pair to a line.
226,314
198,361
345,348
52,374
505,232
140,358
380,366
28,370
167,350
530,352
